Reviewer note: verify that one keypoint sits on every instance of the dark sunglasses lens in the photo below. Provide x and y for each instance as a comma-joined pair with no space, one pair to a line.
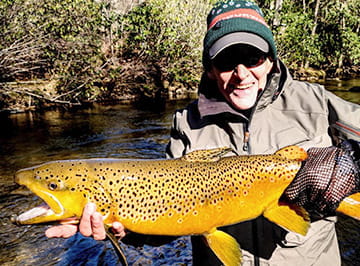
228,59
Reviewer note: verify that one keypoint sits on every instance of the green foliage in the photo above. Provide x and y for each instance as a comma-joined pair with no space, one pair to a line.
67,37
169,33
334,44
94,50
342,46
295,43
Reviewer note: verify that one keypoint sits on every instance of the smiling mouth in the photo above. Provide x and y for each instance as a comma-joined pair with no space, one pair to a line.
241,87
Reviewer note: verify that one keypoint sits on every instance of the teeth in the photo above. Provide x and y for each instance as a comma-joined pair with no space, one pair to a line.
241,87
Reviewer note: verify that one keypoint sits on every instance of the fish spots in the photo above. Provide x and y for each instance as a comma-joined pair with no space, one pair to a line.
173,191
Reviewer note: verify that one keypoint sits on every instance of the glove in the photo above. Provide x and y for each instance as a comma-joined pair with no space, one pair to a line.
325,179
353,148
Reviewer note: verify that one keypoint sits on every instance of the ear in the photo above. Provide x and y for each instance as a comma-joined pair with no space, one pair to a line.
210,74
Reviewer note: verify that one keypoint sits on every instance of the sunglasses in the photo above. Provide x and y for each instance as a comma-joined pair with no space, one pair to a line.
231,57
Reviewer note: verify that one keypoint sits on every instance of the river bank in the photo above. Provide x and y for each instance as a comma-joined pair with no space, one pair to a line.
37,95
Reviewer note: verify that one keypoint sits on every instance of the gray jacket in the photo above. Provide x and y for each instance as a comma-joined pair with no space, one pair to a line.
288,112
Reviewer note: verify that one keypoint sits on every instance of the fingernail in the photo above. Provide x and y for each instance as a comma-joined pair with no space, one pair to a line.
90,207
116,225
49,233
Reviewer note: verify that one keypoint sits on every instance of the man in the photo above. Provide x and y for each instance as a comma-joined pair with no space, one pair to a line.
249,102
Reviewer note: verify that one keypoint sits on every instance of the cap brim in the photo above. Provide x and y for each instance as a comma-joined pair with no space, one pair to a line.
238,38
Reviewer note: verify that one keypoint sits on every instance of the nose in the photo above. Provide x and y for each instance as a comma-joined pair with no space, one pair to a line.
241,71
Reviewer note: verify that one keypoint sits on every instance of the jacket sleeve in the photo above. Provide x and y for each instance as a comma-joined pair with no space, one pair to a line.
344,118
177,144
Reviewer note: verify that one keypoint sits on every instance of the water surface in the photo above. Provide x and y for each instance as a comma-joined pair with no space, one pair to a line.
119,131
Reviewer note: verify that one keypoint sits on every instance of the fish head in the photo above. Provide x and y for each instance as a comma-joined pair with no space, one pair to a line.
56,188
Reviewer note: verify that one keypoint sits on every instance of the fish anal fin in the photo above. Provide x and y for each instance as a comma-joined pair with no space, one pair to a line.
211,155
293,153
291,217
225,247
350,206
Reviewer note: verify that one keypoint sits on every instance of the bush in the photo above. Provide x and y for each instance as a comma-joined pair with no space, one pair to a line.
166,36
53,39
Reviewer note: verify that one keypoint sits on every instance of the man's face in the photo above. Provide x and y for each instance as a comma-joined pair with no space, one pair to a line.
241,73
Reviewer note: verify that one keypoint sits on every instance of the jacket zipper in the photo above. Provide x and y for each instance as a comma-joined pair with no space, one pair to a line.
246,137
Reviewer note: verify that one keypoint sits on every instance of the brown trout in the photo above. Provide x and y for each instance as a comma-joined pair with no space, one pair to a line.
191,195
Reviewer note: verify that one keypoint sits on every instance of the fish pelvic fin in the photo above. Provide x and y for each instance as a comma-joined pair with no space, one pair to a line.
293,153
211,155
225,247
291,217
350,206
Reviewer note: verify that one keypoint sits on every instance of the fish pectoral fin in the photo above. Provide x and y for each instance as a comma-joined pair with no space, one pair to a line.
293,153
211,155
291,217
225,247
350,206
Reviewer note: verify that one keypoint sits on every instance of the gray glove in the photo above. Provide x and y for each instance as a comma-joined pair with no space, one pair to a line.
324,180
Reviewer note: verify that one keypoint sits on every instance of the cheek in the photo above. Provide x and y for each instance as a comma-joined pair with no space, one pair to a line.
261,73
223,78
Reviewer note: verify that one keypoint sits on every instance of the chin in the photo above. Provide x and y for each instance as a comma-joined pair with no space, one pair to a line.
243,104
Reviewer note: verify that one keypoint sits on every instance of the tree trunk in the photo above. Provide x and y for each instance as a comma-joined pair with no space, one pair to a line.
277,17
313,30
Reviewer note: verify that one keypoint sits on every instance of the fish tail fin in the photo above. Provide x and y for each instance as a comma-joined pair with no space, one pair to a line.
225,247
291,217
293,153
350,206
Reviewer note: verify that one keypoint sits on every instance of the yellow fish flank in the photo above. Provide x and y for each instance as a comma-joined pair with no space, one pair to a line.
192,195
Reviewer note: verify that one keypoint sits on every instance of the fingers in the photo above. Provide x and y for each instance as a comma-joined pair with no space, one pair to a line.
65,231
118,229
91,223
85,222
98,229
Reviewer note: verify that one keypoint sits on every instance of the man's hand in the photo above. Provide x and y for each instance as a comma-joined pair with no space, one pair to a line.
324,180
91,224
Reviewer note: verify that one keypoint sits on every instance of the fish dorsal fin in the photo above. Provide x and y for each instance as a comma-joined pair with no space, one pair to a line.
225,247
211,155
293,153
350,206
291,217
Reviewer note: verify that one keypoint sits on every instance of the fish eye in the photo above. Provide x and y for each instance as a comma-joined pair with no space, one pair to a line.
52,186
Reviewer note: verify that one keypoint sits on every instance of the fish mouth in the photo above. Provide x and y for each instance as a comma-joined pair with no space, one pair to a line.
39,211
50,210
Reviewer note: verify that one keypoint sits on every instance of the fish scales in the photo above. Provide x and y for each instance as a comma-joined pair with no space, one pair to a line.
175,196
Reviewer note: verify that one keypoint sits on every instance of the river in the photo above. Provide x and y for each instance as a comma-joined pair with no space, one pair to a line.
120,131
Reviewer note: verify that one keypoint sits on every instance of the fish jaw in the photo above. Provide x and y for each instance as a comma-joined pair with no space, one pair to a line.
59,205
